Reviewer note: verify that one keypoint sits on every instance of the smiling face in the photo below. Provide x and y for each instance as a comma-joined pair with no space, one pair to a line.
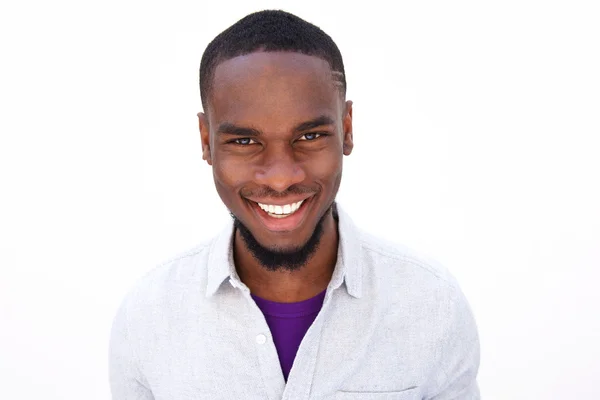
275,132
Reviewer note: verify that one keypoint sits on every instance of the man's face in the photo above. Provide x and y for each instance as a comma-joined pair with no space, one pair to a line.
275,132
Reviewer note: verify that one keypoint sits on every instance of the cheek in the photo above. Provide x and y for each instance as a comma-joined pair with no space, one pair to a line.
228,177
230,170
327,168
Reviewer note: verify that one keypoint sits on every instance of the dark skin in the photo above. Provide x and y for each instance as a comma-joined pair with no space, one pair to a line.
275,131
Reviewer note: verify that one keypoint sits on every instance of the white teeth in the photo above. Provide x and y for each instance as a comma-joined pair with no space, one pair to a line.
281,211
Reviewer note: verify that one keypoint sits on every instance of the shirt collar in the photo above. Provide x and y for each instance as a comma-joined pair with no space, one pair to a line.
348,268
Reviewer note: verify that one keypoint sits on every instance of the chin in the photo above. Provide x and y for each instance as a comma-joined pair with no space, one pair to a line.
282,248
285,246
281,241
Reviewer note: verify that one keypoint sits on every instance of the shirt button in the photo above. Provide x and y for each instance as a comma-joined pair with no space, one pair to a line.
261,339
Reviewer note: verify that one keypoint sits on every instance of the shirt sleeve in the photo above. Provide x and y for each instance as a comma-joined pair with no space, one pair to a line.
126,380
460,354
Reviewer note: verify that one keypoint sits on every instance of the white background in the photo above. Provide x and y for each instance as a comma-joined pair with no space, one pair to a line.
477,141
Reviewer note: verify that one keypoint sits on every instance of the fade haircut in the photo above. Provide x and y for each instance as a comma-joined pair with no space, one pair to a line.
269,30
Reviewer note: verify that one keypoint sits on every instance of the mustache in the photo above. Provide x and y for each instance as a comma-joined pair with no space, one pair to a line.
269,192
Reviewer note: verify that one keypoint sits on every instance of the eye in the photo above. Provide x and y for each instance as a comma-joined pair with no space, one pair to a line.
243,141
311,136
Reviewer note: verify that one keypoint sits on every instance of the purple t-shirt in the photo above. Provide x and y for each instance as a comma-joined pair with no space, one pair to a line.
289,322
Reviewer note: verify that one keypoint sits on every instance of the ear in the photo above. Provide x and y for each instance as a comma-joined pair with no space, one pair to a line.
204,137
347,125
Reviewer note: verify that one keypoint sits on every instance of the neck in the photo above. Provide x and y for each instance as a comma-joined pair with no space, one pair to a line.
290,286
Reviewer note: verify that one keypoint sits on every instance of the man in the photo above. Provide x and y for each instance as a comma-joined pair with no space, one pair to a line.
291,301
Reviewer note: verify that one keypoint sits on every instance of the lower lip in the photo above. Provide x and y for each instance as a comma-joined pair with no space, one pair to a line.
282,224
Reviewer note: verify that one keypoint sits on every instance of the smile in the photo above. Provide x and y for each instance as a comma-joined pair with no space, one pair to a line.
281,211
282,217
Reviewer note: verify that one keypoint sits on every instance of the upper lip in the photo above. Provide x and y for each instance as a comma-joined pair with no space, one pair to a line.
280,202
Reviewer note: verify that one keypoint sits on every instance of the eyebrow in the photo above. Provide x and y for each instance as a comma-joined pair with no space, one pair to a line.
314,123
232,129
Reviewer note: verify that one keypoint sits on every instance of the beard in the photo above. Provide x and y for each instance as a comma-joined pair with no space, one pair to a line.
283,260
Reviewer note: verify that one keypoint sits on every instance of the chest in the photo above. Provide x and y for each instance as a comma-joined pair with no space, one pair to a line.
350,349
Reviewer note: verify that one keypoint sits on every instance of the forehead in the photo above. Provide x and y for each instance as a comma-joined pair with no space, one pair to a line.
277,86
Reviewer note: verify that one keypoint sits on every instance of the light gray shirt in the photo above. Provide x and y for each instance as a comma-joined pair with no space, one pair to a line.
393,326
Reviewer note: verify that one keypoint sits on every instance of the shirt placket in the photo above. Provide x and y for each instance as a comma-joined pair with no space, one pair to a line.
260,336
300,379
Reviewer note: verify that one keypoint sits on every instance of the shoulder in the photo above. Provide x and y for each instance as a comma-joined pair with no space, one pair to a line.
394,260
417,288
186,267
159,288
155,304
404,278
407,280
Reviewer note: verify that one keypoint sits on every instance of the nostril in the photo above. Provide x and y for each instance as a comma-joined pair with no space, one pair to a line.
280,178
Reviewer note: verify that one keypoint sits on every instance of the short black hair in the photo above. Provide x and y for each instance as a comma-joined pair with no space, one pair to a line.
269,30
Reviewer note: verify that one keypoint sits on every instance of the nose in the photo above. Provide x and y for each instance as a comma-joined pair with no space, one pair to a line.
279,169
